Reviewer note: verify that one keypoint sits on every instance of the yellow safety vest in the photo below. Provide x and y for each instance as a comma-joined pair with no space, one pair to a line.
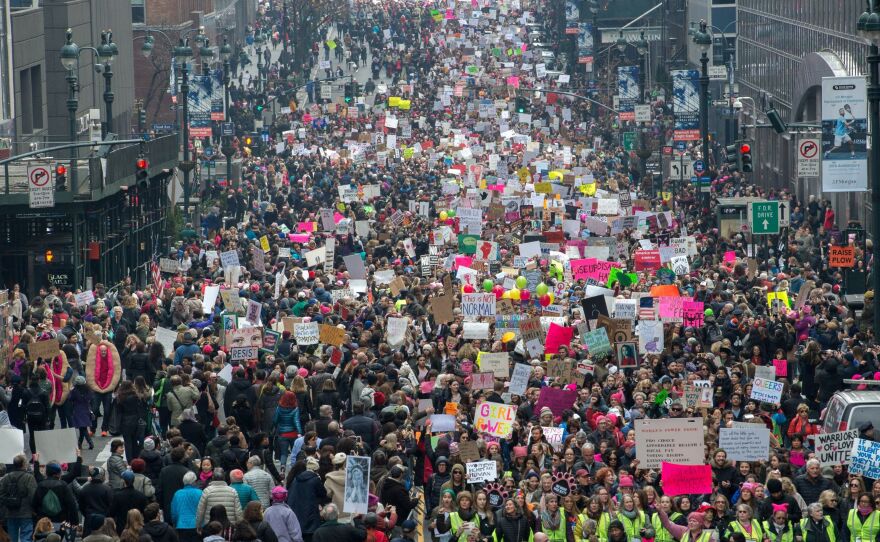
632,526
660,533
787,535
557,535
705,536
757,535
829,528
863,532
455,523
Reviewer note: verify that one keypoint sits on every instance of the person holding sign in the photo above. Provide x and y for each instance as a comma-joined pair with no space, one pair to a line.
463,520
694,532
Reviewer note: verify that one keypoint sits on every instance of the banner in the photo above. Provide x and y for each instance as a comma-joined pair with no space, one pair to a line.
865,458
627,91
745,443
585,45
686,479
844,134
686,104
678,439
835,448
495,419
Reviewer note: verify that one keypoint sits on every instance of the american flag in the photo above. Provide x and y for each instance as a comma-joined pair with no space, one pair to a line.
646,308
158,283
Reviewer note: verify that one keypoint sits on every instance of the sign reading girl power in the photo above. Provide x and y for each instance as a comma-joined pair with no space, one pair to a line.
495,419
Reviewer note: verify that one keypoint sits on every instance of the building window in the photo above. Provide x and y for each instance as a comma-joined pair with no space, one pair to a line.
37,97
27,111
137,12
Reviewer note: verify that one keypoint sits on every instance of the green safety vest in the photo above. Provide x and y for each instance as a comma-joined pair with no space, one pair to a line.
632,526
455,522
757,535
829,528
864,532
601,526
660,533
787,535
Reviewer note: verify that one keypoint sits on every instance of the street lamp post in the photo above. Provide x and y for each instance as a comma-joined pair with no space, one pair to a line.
642,48
703,40
228,150
183,53
107,53
70,61
868,28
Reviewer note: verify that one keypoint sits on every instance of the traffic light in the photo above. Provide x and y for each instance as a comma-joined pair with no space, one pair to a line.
745,158
142,119
259,105
348,93
60,176
776,121
522,104
731,157
255,142
49,256
142,166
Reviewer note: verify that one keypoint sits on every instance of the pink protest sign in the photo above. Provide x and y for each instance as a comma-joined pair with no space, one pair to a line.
557,336
686,479
298,237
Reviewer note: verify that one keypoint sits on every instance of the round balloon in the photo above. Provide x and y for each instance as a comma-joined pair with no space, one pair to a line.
488,285
443,216
525,295
514,294
450,213
541,289
468,289
545,300
521,282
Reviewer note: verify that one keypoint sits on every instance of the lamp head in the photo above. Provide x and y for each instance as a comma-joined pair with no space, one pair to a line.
69,52
621,42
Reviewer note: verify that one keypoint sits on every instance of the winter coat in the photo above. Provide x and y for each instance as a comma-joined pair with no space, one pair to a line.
512,529
287,420
115,467
170,480
284,522
178,399
160,531
80,404
245,492
262,483
395,494
23,484
334,483
184,506
305,494
333,531
125,499
95,498
218,493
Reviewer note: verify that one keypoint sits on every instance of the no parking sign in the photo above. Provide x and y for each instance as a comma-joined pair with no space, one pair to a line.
41,193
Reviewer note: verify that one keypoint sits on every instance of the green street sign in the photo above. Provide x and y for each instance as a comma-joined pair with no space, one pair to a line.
765,217
629,141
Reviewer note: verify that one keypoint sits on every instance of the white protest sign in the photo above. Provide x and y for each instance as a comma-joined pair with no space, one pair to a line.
253,312
835,448
674,440
745,443
241,353
210,299
477,305
553,435
56,445
519,381
11,444
229,259
397,331
497,362
166,337
865,458
306,334
84,298
475,330
766,391
481,471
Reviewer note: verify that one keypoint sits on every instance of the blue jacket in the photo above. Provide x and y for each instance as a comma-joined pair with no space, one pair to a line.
186,350
184,506
287,420
246,493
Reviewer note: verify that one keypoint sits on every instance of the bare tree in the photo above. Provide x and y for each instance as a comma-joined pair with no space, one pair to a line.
307,17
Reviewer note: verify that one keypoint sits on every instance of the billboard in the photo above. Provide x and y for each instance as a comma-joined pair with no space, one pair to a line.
686,104
844,134
627,91
585,45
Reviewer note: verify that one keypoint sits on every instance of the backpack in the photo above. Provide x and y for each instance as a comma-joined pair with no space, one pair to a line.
13,497
35,409
51,504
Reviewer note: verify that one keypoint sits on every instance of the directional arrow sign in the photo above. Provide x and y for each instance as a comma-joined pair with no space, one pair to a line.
765,217
784,215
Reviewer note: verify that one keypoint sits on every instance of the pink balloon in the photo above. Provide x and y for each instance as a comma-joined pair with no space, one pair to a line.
525,295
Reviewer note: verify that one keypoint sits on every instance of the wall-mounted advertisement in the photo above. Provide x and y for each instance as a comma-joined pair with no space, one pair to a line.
844,134
686,104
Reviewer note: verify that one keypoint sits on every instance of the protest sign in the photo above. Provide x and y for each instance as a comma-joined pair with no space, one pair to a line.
306,334
553,436
56,445
331,335
482,381
441,306
561,371
11,444
241,353
497,363
229,259
397,331
745,443
85,298
532,335
481,471
469,450
686,479
475,330
766,372
477,305
835,448
557,400
557,336
46,349
842,256
677,439
766,391
495,419
520,379
166,337
865,458
253,312
357,485
442,423
597,342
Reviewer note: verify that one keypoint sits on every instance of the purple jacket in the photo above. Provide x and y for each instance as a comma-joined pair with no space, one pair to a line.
283,521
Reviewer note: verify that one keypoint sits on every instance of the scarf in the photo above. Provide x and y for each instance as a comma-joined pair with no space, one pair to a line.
551,522
865,510
629,514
